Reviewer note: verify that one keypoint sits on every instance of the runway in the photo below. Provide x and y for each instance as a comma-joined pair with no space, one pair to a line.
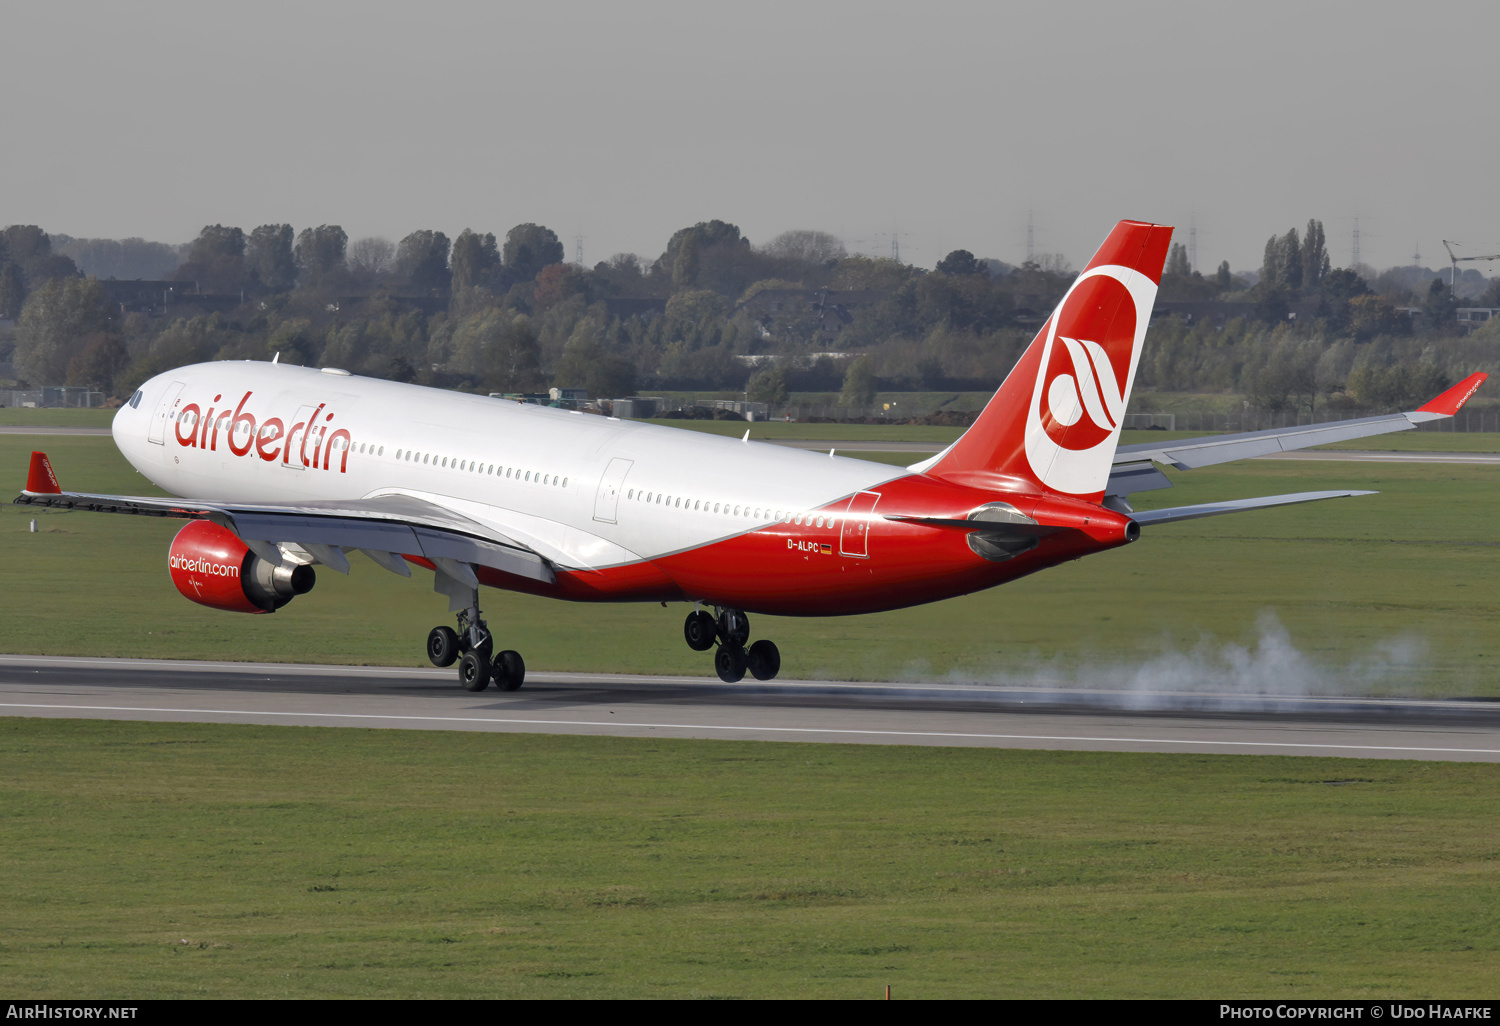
623,705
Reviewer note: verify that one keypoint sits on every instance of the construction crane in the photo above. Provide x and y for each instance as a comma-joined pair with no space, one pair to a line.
1453,281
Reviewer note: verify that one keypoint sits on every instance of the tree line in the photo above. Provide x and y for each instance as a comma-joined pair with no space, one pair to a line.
512,315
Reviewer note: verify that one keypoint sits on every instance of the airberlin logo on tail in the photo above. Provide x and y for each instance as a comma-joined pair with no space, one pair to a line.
1088,363
1092,388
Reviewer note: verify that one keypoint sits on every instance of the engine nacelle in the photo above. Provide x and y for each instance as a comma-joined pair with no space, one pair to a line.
214,568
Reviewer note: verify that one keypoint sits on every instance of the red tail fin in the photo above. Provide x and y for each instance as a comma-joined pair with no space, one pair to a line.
39,479
1055,421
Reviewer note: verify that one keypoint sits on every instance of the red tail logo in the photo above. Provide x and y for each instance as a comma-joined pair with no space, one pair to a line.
1087,377
1055,420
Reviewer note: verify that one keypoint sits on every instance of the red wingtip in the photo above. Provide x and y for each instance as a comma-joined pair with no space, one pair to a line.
40,480
1449,402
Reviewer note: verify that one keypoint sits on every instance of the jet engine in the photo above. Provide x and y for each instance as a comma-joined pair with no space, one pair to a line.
211,566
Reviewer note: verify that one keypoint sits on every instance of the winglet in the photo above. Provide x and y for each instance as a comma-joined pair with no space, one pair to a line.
40,480
1448,403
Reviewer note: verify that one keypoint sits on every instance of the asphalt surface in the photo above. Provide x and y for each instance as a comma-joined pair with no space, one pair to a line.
804,711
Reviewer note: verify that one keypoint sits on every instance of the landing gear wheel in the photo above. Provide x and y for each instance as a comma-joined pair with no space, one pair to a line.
474,671
509,670
699,630
763,660
729,662
442,646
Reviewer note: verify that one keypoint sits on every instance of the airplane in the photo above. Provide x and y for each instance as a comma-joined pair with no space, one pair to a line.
282,468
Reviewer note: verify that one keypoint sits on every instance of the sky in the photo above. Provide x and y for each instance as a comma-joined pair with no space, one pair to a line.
946,125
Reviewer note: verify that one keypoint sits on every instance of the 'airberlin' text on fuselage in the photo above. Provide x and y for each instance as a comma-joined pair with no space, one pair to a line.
302,444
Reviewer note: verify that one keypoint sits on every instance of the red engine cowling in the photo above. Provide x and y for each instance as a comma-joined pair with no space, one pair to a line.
214,568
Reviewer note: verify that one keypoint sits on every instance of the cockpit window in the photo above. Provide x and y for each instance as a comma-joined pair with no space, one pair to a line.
135,400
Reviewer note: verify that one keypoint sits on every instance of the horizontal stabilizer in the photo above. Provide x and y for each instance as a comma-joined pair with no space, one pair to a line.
1213,509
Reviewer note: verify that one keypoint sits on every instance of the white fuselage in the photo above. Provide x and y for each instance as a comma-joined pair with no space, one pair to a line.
585,491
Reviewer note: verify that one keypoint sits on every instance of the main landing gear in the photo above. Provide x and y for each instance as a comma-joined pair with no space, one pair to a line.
731,629
470,646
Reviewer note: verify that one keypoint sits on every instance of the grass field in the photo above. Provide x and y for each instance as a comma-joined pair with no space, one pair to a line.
1394,592
198,860
22,417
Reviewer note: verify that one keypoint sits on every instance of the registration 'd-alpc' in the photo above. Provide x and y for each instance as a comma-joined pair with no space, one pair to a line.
281,469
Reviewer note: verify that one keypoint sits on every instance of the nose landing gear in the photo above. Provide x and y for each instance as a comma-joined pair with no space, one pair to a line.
731,629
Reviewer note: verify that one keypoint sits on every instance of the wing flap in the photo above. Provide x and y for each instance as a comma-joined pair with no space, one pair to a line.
1129,478
345,532
515,560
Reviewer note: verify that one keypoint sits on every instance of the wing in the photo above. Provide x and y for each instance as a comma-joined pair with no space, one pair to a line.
1213,509
1135,466
385,528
